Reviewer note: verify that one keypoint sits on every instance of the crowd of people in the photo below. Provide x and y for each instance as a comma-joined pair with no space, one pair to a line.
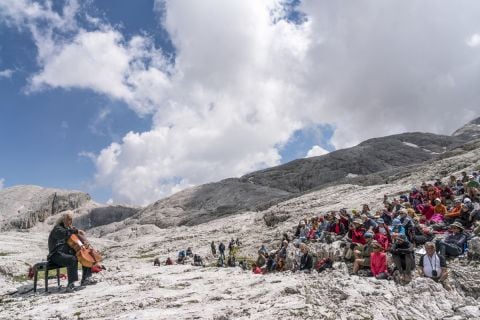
436,220
433,222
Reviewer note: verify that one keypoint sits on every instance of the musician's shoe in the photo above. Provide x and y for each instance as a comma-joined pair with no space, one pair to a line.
88,282
70,288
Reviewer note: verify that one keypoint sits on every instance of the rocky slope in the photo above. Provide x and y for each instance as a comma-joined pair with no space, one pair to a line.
132,288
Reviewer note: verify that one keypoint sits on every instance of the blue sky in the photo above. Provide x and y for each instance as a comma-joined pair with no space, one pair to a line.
132,101
45,134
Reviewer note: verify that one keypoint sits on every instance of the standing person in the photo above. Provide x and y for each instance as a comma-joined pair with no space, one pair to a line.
61,254
402,254
221,250
214,250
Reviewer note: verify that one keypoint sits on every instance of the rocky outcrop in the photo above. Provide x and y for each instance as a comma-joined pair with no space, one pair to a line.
22,207
208,202
369,157
469,131
101,216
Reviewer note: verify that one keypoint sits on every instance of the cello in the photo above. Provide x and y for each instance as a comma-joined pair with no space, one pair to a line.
86,254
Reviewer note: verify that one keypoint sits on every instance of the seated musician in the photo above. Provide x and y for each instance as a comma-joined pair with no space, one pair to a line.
61,254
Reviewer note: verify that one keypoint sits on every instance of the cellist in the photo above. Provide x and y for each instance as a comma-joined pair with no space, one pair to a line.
61,254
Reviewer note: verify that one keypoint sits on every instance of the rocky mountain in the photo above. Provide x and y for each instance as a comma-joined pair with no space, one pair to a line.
21,207
469,131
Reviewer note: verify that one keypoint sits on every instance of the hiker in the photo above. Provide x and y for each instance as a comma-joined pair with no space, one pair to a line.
407,223
169,261
261,259
421,234
362,253
182,255
439,211
381,234
452,245
306,261
197,260
156,262
368,223
356,232
231,244
432,265
61,254
455,212
189,252
214,250
426,210
337,227
397,228
378,261
256,269
221,250
272,261
282,255
402,255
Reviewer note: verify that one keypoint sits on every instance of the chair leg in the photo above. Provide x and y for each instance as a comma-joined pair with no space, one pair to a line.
46,279
35,278
58,277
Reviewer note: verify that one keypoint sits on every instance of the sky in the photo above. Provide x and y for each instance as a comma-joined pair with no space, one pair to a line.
132,101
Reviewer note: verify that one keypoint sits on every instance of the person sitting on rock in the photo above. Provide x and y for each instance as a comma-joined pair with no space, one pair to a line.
261,259
439,211
368,222
432,265
156,262
380,234
402,255
189,252
421,234
427,211
397,228
378,261
453,244
256,269
455,212
306,261
337,227
181,257
407,223
362,253
356,232
169,261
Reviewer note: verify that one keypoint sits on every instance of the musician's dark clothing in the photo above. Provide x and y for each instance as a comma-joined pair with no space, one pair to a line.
61,254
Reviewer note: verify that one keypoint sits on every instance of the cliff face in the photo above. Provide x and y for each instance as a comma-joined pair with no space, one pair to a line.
21,207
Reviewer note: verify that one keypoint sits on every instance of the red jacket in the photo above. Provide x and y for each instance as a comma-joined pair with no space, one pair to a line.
378,263
382,239
357,235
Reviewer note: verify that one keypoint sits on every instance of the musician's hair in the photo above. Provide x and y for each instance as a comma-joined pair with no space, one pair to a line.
63,216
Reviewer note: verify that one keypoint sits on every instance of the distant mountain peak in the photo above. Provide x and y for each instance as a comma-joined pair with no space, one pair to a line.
469,131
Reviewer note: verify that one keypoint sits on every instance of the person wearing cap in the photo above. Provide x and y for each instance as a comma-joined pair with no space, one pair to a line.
356,232
432,265
378,261
362,253
402,255
397,228
452,245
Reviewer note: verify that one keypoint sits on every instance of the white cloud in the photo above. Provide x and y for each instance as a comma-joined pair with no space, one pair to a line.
2,183
7,73
316,151
474,40
244,80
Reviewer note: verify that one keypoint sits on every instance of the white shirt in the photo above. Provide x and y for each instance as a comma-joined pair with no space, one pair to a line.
431,263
